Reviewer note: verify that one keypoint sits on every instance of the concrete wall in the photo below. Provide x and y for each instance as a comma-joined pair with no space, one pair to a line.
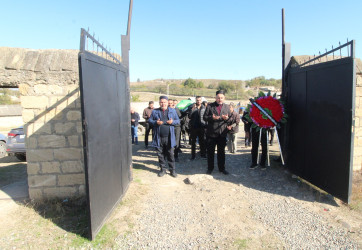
357,149
48,82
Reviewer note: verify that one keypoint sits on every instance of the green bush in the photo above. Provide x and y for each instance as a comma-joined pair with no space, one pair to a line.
135,98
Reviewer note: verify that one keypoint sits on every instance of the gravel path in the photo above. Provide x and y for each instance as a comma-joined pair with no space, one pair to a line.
246,209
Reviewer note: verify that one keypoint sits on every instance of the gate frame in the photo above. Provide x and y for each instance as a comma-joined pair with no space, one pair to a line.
287,67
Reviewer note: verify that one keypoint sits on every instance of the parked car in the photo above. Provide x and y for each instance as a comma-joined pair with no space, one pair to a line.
16,143
3,140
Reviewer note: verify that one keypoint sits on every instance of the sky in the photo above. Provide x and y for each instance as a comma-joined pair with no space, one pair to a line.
178,39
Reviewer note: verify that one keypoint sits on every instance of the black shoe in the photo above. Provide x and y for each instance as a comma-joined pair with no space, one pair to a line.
173,174
146,147
203,156
224,172
161,173
208,171
176,159
192,158
253,166
263,167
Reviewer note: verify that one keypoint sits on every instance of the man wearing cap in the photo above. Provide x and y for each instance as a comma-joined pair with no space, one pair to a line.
217,115
146,115
163,120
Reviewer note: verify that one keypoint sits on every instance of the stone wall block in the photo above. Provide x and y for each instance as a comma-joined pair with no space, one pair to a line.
33,168
358,91
69,60
358,132
52,114
41,89
38,155
12,58
60,192
31,142
51,141
50,167
42,180
359,80
38,128
72,167
30,60
79,128
25,90
358,112
34,102
71,89
55,90
82,190
28,115
73,141
357,151
71,179
44,61
36,193
67,128
356,122
74,115
63,154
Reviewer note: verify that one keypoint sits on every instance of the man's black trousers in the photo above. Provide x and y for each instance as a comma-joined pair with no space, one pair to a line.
254,148
148,129
197,133
212,142
178,140
165,151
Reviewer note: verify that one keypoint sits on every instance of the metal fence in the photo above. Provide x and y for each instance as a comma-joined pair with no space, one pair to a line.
342,51
90,44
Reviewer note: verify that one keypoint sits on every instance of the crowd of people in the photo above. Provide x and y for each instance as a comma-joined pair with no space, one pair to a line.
210,125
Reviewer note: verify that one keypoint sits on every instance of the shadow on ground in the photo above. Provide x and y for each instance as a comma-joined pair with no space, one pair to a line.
13,179
276,179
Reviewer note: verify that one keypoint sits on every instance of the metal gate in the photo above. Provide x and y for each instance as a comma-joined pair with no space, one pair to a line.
106,130
320,103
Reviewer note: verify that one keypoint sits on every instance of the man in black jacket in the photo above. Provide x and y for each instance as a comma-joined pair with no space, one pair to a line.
197,128
146,115
217,115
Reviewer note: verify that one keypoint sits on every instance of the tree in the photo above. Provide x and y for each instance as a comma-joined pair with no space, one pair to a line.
190,83
226,86
5,97
138,80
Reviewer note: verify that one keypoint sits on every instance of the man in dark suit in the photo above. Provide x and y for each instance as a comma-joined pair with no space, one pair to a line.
217,114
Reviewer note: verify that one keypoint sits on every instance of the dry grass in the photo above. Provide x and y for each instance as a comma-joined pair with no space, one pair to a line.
356,198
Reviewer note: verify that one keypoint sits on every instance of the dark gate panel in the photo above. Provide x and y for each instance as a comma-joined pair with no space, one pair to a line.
106,119
321,103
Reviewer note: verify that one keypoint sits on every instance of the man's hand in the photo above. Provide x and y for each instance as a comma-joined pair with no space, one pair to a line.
159,122
170,121
215,117
132,120
229,127
225,117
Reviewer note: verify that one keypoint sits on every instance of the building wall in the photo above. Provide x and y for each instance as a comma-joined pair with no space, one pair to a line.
357,149
48,82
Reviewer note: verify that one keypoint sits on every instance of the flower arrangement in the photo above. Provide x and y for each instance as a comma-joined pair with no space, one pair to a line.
273,111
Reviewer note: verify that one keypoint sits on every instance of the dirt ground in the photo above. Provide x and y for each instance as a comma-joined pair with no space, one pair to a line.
223,212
